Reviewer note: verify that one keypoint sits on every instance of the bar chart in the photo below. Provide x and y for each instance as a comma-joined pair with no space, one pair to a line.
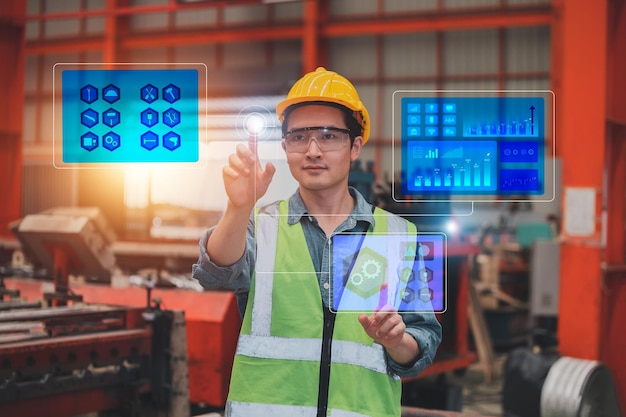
473,146
452,165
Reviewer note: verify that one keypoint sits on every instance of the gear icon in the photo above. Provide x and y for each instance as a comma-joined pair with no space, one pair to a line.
368,273
371,269
356,279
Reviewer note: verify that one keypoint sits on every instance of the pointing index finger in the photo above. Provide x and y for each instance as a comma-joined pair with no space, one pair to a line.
382,296
252,142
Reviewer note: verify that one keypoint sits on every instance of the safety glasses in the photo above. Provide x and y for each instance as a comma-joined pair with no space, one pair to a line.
327,138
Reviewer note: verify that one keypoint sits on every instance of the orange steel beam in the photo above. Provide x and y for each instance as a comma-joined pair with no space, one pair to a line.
310,36
542,16
581,133
617,63
556,58
122,30
138,10
614,271
616,114
64,46
616,201
223,35
12,24
613,340
322,47
110,34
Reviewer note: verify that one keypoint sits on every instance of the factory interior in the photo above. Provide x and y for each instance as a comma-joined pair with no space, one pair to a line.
99,312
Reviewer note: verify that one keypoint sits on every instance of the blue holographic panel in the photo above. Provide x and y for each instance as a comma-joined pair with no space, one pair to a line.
473,146
403,271
112,116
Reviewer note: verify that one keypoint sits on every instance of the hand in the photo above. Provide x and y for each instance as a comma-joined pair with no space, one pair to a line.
385,326
245,180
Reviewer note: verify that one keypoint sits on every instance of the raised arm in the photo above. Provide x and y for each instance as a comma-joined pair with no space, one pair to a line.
245,182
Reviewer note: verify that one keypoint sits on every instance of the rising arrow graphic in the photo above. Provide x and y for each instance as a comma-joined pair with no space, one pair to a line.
532,120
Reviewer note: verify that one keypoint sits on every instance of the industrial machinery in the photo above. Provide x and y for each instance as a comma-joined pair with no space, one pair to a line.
68,357
119,327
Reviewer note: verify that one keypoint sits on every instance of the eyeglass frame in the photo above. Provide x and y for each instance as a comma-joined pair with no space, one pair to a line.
343,131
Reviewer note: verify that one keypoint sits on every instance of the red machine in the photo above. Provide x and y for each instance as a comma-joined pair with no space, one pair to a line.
70,357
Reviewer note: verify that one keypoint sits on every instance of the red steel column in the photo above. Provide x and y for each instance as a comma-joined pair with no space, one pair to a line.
109,52
614,300
12,21
580,136
310,36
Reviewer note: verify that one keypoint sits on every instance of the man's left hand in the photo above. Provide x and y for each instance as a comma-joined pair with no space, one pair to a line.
386,327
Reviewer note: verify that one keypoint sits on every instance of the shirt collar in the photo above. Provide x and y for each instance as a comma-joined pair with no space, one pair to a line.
363,211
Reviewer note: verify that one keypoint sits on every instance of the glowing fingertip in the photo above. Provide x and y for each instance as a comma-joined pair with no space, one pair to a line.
255,123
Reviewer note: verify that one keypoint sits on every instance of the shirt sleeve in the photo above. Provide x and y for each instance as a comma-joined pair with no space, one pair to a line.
421,324
426,330
233,277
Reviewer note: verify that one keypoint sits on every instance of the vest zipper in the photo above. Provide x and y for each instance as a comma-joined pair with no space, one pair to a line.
325,361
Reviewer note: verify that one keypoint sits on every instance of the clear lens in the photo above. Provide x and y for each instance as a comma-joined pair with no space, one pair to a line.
327,138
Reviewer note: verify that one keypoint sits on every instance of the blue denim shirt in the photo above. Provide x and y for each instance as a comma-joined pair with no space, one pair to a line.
424,327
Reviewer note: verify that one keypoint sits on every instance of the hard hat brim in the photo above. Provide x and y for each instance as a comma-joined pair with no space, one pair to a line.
282,106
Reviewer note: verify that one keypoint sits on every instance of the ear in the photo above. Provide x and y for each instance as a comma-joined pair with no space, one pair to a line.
282,145
355,150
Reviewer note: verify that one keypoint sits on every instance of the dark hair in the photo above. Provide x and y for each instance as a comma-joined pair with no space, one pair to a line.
352,124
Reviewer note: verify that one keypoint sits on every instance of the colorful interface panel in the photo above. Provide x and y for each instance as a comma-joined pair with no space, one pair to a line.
406,272
130,115
479,146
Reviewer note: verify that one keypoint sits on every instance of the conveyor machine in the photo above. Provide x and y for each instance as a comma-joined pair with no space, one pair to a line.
61,357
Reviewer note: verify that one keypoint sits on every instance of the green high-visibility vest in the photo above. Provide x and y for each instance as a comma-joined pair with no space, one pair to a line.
277,363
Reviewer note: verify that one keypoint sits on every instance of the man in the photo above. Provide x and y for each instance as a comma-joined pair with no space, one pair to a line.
296,356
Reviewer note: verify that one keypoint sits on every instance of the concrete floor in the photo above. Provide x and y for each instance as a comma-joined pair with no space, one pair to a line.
479,396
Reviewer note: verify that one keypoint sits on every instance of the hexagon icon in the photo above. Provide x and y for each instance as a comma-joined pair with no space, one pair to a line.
171,117
111,93
89,94
425,274
407,274
149,117
368,273
408,295
111,141
149,140
89,141
171,141
425,294
89,118
111,117
171,93
149,93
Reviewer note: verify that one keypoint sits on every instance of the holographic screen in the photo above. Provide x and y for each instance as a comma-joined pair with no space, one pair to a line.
475,146
406,272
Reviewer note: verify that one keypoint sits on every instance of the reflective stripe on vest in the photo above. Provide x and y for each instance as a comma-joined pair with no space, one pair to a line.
266,239
240,409
272,347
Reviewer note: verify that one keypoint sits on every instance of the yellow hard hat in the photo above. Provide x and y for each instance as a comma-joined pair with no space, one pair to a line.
323,85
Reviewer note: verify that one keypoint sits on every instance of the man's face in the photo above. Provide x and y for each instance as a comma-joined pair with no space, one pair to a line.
316,169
